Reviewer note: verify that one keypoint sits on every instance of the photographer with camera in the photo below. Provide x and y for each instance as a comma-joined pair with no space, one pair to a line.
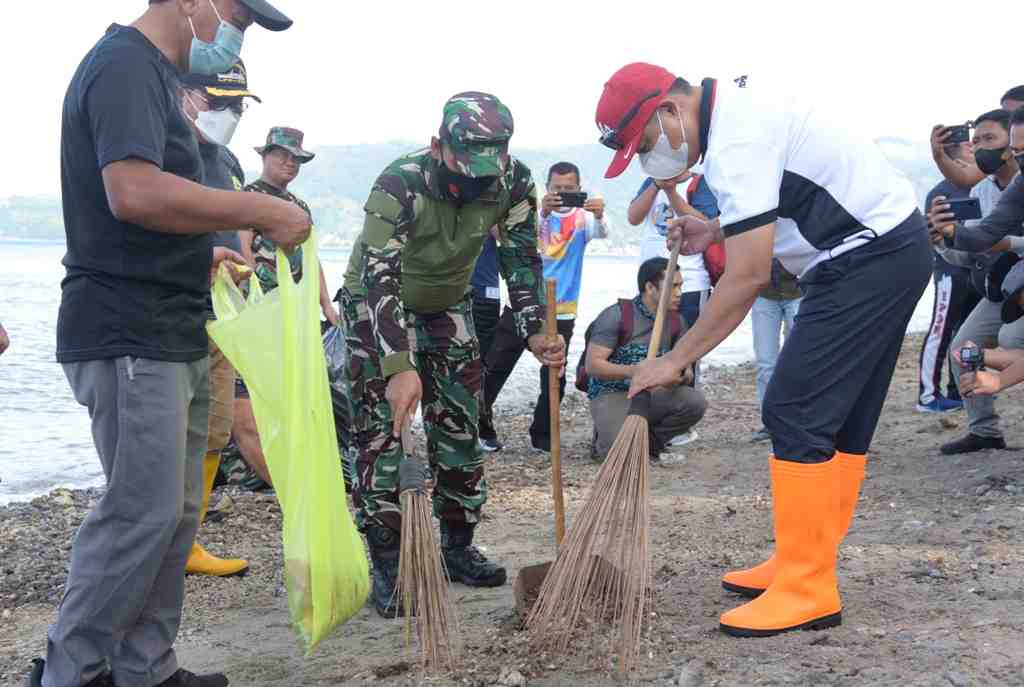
569,221
983,249
965,173
976,379
953,301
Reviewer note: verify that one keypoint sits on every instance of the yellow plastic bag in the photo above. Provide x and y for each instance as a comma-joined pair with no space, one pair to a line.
273,341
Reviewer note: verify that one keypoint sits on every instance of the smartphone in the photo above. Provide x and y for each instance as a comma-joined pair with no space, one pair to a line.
965,208
573,199
961,133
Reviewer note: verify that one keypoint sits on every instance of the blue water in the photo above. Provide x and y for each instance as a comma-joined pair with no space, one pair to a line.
45,440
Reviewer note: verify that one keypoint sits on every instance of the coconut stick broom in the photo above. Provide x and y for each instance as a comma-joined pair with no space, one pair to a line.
422,580
603,570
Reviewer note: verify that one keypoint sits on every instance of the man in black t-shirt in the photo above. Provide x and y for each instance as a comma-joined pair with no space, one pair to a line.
131,330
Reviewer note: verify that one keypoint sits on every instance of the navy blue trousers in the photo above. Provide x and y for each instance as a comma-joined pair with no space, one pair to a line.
834,370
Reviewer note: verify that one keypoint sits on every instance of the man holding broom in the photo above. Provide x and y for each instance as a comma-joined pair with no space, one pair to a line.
792,184
407,308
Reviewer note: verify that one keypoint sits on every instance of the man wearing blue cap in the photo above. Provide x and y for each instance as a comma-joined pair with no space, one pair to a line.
131,334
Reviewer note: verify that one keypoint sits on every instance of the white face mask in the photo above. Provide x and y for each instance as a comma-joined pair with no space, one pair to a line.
218,126
663,161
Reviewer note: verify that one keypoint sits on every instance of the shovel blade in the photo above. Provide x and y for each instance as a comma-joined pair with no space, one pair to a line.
527,586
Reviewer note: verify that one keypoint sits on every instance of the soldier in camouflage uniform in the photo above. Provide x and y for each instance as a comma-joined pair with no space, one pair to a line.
409,326
283,157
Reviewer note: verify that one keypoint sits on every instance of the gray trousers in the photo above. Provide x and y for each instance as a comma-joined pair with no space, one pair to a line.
126,585
673,412
984,326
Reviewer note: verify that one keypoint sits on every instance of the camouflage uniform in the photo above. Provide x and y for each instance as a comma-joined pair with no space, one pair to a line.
406,305
263,250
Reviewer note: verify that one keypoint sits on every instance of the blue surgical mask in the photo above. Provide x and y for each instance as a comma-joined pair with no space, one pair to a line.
210,59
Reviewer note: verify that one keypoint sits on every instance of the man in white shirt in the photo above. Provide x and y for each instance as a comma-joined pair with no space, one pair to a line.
793,183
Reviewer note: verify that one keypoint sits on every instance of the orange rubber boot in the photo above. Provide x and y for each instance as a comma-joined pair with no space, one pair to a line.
752,581
804,594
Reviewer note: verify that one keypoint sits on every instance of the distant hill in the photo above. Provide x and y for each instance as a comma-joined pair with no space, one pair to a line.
337,182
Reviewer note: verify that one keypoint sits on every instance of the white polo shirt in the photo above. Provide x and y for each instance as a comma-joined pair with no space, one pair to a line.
770,158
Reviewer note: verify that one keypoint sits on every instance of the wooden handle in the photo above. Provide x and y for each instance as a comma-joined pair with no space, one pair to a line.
407,445
554,408
666,295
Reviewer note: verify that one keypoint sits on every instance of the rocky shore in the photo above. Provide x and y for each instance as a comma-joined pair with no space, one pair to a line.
930,574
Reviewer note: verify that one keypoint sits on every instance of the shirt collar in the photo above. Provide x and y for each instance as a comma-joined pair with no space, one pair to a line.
707,107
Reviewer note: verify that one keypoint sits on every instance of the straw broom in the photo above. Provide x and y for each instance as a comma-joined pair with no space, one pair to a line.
603,570
422,580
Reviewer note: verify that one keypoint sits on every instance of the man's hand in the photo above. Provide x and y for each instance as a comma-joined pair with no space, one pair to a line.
550,353
650,374
980,383
5,340
938,139
331,314
670,184
549,203
237,267
941,222
596,206
288,226
403,394
697,235
688,376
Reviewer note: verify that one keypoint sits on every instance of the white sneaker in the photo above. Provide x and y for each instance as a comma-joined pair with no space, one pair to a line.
684,439
669,459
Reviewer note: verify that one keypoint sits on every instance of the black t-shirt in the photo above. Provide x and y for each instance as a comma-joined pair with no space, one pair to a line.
223,171
128,290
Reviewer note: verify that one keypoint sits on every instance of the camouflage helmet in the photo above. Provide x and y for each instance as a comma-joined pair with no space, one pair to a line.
476,127
287,138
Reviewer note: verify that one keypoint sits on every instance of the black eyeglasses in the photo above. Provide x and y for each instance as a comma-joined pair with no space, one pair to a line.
235,104
610,138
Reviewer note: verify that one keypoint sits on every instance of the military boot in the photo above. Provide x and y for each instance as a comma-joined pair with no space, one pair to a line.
384,549
464,561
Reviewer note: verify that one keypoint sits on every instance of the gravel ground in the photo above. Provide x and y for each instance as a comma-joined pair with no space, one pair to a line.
930,573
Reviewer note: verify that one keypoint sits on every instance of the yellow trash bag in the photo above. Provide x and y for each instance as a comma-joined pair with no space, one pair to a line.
273,341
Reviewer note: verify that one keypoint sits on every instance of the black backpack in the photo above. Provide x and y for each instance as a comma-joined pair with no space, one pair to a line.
675,324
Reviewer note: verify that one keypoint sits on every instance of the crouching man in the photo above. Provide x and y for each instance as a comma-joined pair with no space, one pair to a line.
617,341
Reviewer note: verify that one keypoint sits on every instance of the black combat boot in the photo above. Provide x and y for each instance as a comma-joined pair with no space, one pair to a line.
384,548
464,561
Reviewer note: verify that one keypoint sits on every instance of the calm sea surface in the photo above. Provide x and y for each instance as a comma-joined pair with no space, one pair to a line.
44,435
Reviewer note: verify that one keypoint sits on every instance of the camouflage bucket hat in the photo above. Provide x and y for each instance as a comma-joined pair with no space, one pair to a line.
289,139
477,127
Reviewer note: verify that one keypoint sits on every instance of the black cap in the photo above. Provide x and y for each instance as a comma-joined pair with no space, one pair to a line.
233,83
267,16
1013,286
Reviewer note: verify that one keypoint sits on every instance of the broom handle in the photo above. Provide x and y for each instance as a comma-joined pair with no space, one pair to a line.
666,294
554,408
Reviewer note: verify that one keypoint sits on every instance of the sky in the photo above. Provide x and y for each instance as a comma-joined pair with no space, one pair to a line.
365,72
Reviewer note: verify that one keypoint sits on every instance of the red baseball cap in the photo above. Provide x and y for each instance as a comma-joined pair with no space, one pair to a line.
629,100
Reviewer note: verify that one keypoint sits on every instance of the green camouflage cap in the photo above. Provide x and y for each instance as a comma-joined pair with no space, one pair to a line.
289,139
477,127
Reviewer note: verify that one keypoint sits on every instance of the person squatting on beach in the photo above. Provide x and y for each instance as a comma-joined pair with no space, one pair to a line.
618,340
407,307
131,330
564,234
984,324
828,205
